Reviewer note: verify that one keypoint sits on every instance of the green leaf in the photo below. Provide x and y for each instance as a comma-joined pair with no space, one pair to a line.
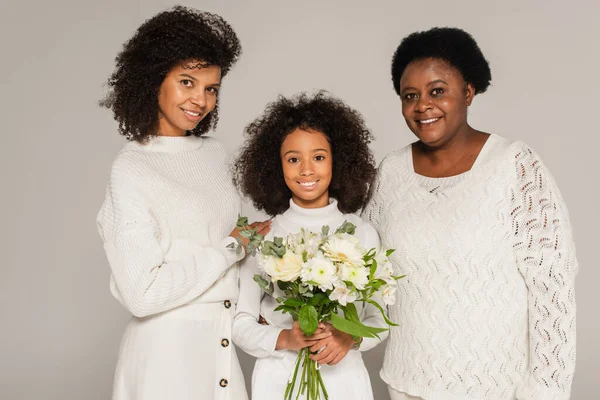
278,241
304,256
389,252
325,230
351,327
242,222
376,304
398,277
351,313
308,319
246,233
346,227
293,303
318,299
373,270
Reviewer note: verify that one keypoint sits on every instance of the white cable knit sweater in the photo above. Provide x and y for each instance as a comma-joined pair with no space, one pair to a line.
487,310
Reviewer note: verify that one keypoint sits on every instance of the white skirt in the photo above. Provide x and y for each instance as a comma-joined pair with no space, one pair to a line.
182,354
347,380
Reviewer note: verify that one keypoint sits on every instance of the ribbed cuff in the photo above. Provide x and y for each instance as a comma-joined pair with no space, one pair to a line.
231,253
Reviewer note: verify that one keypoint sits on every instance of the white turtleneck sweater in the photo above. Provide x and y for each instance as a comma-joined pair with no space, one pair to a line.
169,208
348,379
487,310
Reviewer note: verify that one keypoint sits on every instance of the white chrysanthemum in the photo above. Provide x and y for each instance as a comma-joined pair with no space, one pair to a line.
358,276
388,294
345,248
321,271
342,294
284,269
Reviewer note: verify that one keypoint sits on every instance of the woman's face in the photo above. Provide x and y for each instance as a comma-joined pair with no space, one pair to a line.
186,96
306,160
434,99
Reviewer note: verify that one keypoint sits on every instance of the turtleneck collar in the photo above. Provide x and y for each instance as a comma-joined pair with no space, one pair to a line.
313,216
170,144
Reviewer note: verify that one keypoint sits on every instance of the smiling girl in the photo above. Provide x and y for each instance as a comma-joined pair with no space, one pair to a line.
167,219
307,163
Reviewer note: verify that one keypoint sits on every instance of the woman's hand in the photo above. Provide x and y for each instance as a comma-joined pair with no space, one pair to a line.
295,339
261,227
335,347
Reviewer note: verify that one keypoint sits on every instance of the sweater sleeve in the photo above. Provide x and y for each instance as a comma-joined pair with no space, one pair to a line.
546,257
255,339
375,208
151,272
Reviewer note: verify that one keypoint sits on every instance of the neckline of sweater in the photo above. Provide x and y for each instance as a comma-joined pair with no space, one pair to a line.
170,144
312,216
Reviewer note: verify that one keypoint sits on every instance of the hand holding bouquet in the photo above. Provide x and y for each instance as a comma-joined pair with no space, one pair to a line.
321,276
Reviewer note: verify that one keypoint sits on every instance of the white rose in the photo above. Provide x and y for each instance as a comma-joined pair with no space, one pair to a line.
321,271
345,248
388,294
284,269
342,294
358,276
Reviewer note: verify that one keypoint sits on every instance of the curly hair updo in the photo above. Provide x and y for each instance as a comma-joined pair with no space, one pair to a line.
258,172
452,45
161,43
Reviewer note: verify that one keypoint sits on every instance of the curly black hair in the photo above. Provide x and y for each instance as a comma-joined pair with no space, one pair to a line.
258,172
164,41
453,45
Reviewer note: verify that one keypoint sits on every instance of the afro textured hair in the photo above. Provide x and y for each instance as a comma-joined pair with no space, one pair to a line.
258,171
164,41
453,45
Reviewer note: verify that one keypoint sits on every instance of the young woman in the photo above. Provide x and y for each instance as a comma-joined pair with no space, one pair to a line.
307,163
169,211
482,232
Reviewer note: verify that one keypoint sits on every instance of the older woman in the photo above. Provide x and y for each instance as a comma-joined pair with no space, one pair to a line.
481,230
169,209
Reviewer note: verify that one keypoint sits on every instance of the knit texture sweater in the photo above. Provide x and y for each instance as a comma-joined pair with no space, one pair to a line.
169,208
487,310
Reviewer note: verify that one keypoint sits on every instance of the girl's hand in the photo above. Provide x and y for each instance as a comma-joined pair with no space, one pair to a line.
335,347
262,227
295,339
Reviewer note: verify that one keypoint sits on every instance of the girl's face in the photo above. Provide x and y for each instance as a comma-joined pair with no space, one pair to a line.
434,99
186,96
306,160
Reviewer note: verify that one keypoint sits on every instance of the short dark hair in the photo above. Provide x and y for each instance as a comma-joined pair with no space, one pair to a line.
453,45
258,172
159,44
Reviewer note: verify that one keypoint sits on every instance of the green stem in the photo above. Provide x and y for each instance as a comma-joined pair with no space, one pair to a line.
289,390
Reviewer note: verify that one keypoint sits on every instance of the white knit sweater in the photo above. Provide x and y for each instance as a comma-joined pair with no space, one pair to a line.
487,310
169,208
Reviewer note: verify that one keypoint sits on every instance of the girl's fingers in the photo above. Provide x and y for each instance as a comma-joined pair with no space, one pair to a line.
338,358
323,355
314,347
319,336
330,357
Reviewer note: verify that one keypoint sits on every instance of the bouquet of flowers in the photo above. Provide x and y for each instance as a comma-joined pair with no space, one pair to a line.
322,276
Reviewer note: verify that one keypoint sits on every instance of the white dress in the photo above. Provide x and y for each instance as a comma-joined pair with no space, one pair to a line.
169,208
347,380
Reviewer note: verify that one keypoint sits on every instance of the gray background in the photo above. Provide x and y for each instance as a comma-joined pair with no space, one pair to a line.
60,327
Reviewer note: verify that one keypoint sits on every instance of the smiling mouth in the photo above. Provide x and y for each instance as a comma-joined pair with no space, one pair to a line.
429,121
308,185
192,114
